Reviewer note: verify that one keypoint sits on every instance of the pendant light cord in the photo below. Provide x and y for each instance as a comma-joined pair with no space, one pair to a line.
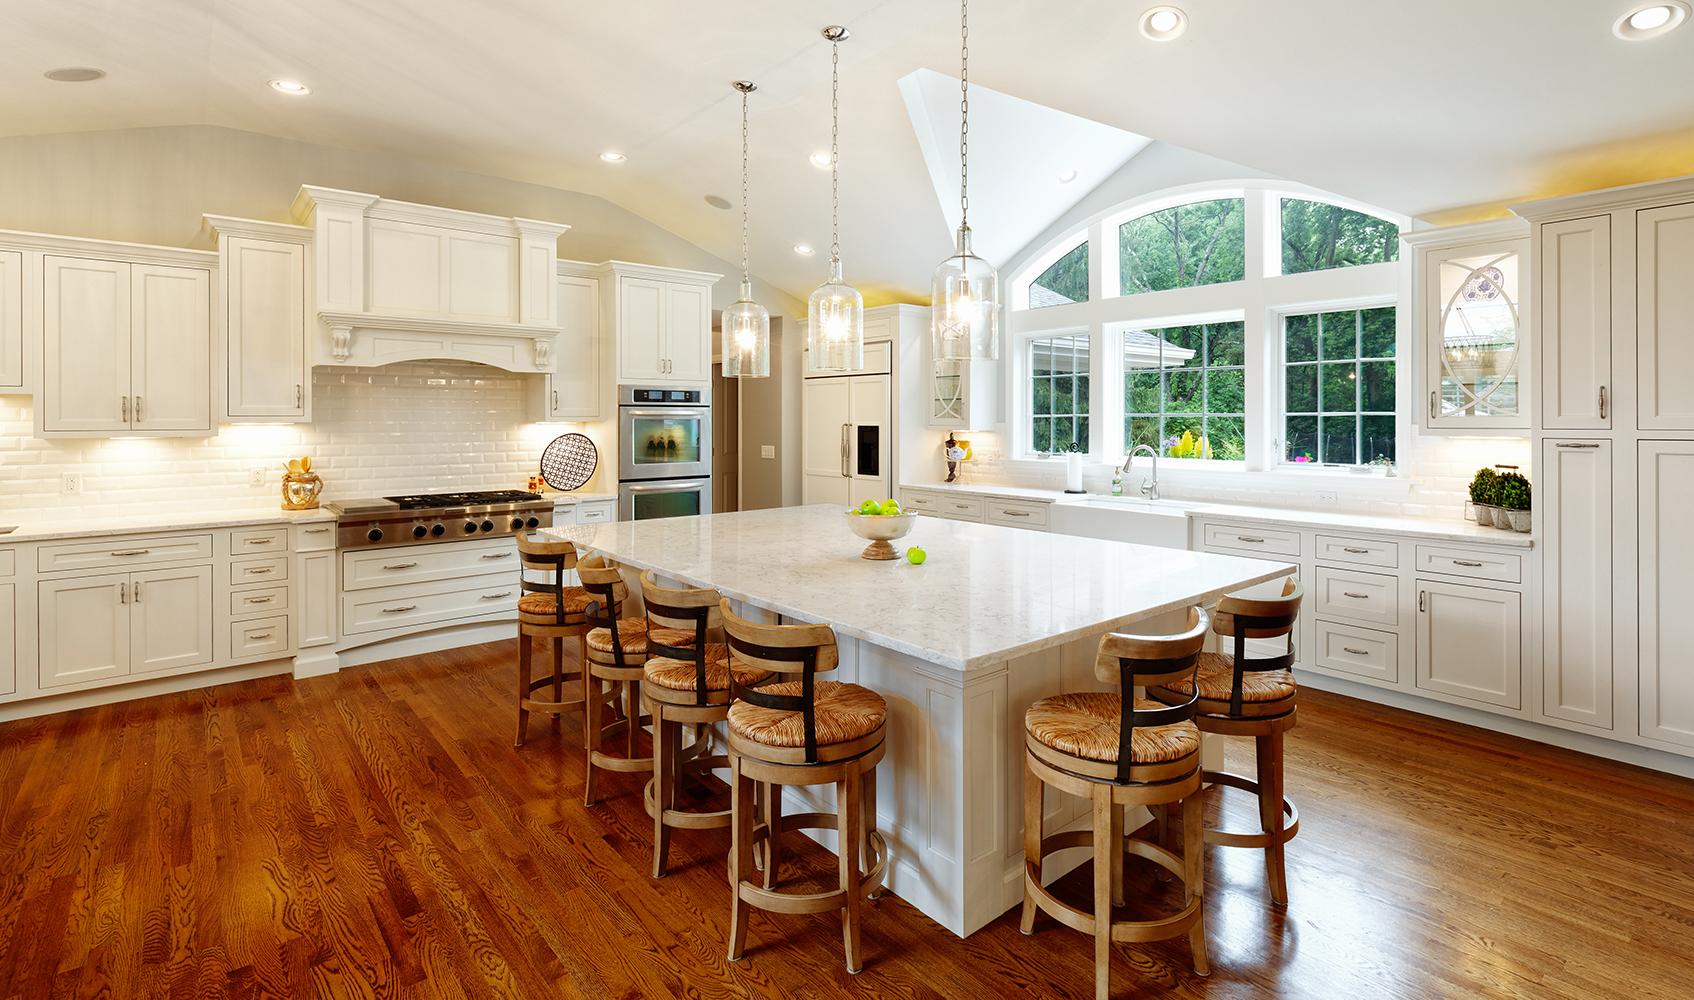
745,275
835,151
964,114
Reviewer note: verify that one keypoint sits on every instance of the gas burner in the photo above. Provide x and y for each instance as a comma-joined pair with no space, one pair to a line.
422,518
425,501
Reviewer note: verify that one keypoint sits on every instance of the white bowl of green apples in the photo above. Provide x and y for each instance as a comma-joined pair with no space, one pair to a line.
880,524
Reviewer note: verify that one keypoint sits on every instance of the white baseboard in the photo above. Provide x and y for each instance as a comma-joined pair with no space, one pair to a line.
73,700
451,637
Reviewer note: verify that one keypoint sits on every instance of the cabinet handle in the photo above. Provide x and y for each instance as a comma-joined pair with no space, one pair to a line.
402,609
124,404
1245,538
1577,444
299,396
257,570
555,400
961,506
1355,652
1432,398
1015,513
1467,562
404,565
131,552
1357,552
135,591
1602,402
317,531
496,597
260,541
255,636
1421,603
138,409
257,600
123,593
496,555
1355,595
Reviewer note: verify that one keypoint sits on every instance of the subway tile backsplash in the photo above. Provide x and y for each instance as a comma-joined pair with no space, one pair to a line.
420,426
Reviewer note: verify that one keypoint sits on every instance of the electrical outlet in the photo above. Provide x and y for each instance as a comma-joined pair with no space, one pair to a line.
71,484
255,477
1328,497
767,451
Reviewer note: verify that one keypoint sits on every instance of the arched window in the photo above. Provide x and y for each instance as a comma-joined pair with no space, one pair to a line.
1201,243
1066,281
1317,236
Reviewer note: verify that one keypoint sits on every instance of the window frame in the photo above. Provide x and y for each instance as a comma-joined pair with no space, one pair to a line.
1026,415
1280,459
1123,373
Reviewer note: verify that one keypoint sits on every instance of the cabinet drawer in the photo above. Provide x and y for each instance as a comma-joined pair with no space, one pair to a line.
1370,597
258,637
314,537
1479,563
122,552
422,603
420,563
268,569
255,541
1359,551
1354,650
8,562
598,512
923,503
260,601
1016,514
959,508
1242,538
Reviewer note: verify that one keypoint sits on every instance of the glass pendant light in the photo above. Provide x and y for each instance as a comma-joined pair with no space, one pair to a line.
835,314
964,315
746,324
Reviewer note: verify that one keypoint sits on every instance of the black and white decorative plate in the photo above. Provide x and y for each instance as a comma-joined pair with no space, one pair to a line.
569,461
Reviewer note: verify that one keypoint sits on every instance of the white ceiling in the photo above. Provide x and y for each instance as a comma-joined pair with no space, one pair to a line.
1414,106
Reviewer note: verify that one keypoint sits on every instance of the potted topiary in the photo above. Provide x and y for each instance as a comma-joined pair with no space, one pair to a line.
1514,500
1484,494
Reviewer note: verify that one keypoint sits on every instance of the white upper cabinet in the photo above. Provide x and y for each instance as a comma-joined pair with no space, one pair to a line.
1576,324
85,350
11,321
266,372
573,390
1472,318
1664,263
1576,567
662,319
170,347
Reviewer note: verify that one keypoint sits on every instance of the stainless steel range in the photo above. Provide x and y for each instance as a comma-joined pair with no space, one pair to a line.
437,517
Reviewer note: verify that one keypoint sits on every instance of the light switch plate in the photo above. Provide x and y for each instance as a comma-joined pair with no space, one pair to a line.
767,451
1328,497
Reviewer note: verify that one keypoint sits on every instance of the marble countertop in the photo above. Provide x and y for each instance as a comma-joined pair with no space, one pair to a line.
1453,529
986,593
94,523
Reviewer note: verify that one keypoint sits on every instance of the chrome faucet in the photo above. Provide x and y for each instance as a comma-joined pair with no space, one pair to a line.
1150,488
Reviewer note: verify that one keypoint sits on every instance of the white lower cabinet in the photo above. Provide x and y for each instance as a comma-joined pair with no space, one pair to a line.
1469,642
318,604
1666,538
170,617
1363,652
1576,581
8,638
84,628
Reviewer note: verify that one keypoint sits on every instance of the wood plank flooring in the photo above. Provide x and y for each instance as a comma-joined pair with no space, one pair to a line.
374,834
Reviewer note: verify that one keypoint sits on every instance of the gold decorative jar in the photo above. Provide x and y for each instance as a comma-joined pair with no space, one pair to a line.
300,485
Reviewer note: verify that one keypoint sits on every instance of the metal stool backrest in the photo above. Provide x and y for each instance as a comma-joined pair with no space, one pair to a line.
1246,618
692,610
1132,661
806,650
553,559
604,581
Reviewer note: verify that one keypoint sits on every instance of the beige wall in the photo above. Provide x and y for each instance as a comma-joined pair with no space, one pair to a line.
151,185
762,424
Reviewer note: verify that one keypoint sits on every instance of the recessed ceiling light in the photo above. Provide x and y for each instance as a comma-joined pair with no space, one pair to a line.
74,74
1066,176
1651,21
613,156
820,159
803,249
717,201
1163,23
293,88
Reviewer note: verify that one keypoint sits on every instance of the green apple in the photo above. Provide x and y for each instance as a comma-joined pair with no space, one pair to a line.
870,507
916,555
889,508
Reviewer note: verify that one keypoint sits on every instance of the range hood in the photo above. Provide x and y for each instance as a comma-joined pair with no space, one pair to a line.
397,281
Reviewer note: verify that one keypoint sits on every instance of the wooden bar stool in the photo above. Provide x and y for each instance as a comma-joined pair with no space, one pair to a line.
687,679
802,732
1241,695
616,649
548,610
1117,750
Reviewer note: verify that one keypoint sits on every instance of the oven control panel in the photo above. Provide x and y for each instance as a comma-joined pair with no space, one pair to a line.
673,397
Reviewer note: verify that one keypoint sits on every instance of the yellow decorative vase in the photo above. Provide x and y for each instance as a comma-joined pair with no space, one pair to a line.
301,486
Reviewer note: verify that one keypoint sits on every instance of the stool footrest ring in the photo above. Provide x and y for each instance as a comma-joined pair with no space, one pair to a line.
1228,838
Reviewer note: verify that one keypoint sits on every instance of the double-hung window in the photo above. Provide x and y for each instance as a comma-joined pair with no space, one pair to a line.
1185,391
1058,393
1338,386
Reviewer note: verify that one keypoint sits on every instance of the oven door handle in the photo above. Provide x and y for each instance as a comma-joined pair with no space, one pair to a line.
684,412
667,486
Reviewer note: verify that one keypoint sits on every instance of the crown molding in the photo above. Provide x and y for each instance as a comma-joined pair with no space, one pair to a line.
135,253
1647,195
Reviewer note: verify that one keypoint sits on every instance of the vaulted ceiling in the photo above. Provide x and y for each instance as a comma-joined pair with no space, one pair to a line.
1416,107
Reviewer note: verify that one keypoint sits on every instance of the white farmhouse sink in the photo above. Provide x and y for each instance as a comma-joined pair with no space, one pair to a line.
1123,519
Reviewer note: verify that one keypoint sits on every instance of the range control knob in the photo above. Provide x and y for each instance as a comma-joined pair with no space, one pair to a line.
488,526
438,529
419,531
517,523
375,534
470,527
534,522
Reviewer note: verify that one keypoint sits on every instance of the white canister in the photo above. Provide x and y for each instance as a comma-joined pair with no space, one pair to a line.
1073,472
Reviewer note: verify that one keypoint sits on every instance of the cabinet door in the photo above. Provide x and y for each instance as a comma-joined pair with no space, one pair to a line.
1665,316
1474,319
1469,642
823,442
1576,569
641,319
11,319
170,618
1666,534
8,638
688,333
85,345
1576,324
870,415
170,348
265,329
84,625
573,390
318,605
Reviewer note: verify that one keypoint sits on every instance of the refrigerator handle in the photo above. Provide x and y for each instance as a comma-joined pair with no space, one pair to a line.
846,436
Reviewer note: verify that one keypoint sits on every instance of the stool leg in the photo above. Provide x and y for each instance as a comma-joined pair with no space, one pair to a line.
848,811
1162,835
1032,821
663,733
1117,855
526,655
773,824
632,712
1104,848
592,703
867,827
558,679
1269,754
1194,876
740,854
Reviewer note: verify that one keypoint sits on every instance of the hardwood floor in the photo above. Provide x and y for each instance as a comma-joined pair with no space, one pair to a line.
374,834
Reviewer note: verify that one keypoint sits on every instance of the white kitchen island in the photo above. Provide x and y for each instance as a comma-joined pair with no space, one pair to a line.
960,646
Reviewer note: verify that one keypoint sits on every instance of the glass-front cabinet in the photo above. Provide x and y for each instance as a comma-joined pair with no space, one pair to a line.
1473,302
